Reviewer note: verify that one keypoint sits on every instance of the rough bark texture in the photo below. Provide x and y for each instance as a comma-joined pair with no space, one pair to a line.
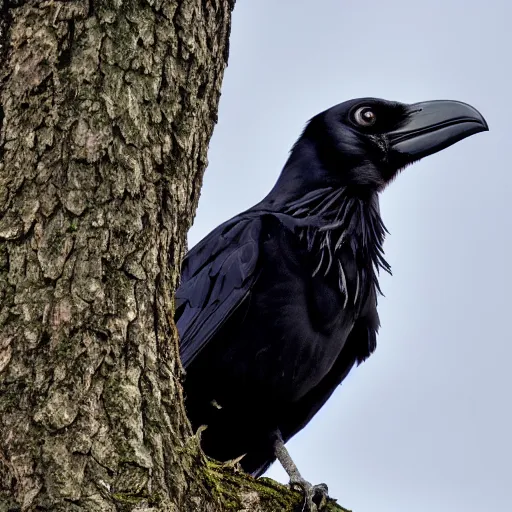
107,108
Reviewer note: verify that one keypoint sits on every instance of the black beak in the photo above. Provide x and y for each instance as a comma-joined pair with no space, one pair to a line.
432,126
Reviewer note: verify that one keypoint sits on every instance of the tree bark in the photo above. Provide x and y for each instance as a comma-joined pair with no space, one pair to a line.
107,108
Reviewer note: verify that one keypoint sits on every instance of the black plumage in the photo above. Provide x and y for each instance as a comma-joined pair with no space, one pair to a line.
278,304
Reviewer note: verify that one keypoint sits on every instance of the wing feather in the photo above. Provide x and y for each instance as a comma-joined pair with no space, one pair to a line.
217,276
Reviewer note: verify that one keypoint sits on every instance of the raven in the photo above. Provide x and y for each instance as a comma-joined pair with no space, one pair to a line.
277,305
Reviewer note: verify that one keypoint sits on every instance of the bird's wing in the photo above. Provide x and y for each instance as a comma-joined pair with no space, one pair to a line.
217,275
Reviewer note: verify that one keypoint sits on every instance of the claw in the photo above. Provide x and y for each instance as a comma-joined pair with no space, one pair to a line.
315,496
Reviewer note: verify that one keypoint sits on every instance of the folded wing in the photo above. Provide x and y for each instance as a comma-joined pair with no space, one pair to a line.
217,277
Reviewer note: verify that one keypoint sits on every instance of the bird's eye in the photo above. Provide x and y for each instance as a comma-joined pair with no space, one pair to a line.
365,116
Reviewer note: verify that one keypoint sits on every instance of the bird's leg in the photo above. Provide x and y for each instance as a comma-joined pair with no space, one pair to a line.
315,496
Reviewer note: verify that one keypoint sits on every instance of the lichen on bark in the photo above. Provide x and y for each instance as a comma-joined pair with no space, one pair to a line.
107,108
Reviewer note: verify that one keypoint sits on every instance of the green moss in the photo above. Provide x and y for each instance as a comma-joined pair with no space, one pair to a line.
126,497
229,484
73,226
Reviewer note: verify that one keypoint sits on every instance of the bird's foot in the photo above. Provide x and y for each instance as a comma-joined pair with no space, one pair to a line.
315,496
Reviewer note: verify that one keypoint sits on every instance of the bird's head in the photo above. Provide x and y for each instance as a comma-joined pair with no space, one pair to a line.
367,141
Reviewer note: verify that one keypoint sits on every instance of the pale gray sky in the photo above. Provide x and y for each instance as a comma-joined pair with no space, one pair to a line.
425,424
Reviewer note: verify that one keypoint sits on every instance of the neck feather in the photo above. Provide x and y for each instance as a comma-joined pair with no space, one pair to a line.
336,221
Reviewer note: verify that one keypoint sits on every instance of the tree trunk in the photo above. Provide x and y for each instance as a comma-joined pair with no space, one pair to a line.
107,111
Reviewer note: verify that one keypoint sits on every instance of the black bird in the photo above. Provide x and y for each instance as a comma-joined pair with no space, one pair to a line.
278,304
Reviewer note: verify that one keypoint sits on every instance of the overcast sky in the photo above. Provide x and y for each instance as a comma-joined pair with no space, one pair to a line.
426,423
